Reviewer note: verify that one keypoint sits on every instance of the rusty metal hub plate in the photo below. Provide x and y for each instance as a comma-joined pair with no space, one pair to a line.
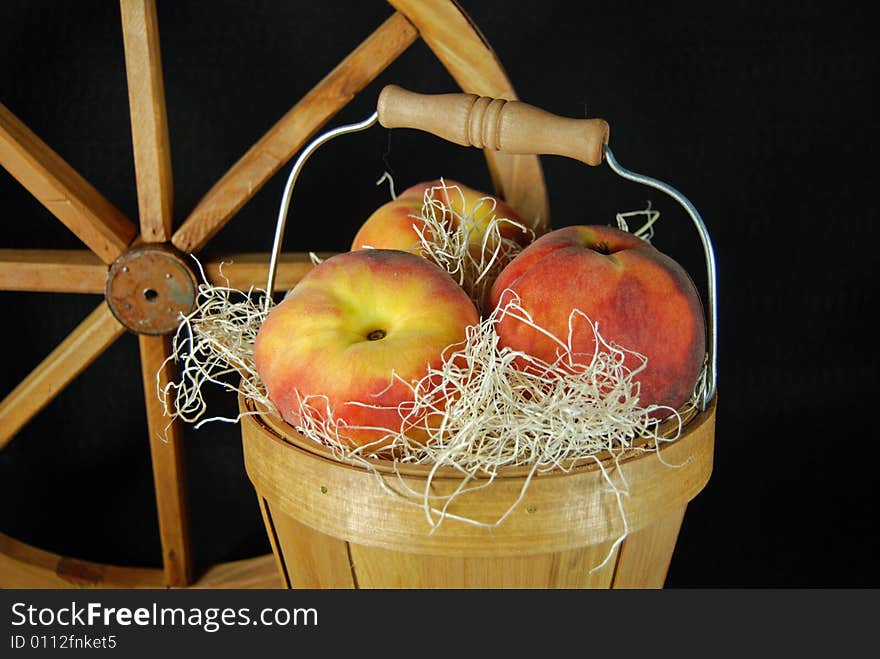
149,289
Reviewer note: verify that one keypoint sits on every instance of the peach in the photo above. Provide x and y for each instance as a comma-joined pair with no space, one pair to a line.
393,225
642,300
355,332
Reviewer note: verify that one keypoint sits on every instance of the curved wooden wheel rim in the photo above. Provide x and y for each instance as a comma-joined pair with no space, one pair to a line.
107,233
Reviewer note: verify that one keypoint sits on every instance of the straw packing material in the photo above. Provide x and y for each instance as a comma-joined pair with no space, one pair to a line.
488,414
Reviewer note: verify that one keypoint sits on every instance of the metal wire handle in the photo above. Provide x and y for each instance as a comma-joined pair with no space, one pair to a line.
708,389
708,250
288,190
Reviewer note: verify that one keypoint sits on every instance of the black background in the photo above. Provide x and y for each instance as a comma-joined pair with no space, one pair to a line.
762,113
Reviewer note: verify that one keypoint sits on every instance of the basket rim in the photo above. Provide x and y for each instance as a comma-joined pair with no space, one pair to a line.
281,431
562,510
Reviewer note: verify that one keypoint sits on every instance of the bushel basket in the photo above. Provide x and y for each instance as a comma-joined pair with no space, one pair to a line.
335,523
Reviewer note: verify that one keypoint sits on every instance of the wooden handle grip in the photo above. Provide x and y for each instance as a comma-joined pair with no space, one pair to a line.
497,124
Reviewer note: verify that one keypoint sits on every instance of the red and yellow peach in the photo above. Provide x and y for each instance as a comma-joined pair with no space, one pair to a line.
354,335
396,224
641,299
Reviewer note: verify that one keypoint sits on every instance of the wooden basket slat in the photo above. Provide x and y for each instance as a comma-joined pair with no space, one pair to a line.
645,554
336,526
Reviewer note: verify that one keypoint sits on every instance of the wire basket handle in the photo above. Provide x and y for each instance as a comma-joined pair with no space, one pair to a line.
494,123
519,128
510,127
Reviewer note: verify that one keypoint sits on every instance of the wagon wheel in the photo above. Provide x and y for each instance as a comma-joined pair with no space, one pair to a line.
143,271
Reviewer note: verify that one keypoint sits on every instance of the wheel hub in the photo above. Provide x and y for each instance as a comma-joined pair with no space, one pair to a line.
150,288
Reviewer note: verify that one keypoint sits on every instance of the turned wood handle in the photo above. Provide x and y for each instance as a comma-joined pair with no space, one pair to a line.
493,123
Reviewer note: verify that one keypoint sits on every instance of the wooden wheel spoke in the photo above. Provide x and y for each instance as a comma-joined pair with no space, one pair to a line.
51,271
81,347
243,271
66,194
149,123
169,467
466,54
278,145
456,42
